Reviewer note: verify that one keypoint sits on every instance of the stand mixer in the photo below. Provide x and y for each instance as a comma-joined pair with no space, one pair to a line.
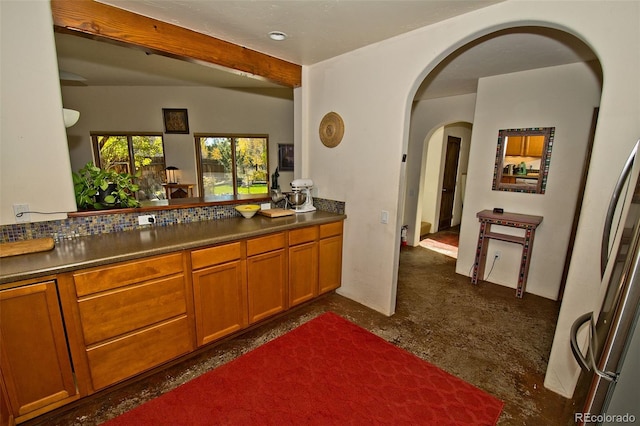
305,203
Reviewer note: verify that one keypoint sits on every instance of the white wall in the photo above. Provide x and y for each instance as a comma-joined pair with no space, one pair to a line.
431,183
139,108
373,88
562,97
34,161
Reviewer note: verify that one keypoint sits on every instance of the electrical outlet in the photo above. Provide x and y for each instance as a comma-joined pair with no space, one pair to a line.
147,219
265,206
21,213
496,255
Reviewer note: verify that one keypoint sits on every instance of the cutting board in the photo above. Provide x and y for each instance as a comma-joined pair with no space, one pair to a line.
28,246
276,212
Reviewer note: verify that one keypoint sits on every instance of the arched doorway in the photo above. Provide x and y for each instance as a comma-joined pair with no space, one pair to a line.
431,107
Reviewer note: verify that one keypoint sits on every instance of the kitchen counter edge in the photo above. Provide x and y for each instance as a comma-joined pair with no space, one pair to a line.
104,249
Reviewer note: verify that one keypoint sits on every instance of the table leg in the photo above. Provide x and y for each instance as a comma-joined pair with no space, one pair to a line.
481,253
524,264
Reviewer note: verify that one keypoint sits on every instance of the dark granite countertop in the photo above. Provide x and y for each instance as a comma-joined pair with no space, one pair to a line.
96,250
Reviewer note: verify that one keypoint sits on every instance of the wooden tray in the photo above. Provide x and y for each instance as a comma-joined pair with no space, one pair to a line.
28,246
276,212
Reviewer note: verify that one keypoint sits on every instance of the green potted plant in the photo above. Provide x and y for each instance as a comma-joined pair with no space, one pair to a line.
99,189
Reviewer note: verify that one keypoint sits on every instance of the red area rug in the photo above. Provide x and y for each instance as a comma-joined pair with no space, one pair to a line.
328,371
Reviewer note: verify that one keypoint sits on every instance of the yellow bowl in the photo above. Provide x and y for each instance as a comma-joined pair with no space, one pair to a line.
248,210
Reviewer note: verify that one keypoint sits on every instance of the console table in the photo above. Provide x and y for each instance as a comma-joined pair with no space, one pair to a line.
178,190
515,220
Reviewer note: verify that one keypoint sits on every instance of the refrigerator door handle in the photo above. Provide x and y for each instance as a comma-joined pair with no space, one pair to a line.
608,376
588,362
577,354
624,175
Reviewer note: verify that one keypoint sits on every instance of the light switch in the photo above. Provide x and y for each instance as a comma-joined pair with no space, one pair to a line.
384,217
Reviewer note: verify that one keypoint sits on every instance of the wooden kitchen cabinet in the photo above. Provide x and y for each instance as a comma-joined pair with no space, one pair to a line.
330,257
303,264
525,146
219,291
67,336
35,366
515,146
266,276
131,316
534,146
6,415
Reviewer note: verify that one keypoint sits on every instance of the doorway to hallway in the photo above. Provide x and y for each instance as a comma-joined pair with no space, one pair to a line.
444,242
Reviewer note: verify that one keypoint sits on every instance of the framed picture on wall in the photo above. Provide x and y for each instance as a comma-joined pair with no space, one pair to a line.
175,120
285,157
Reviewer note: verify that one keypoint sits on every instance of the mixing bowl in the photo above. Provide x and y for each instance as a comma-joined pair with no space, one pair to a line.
296,198
248,210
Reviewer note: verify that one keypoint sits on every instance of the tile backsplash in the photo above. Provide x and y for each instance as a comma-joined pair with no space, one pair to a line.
117,222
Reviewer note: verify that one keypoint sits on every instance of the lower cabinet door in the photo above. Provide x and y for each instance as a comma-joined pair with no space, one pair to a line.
220,296
266,283
6,415
330,264
303,273
34,358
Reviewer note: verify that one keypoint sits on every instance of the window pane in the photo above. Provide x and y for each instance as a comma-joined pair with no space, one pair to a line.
251,166
148,156
217,167
114,153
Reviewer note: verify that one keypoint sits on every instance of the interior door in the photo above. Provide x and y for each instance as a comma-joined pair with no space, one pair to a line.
449,182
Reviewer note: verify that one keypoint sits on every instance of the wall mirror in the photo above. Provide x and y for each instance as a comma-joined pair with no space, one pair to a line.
522,159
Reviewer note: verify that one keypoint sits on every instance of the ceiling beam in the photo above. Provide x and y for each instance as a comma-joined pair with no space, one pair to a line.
102,22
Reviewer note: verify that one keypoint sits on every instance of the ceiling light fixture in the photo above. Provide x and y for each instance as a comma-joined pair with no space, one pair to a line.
277,35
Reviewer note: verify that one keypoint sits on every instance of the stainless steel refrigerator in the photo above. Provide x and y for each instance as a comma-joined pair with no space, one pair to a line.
609,383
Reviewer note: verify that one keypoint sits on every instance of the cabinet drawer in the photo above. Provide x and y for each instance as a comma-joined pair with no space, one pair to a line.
106,278
330,229
112,314
303,235
265,244
216,255
132,354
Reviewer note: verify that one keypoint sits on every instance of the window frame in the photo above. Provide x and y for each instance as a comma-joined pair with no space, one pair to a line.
233,136
97,160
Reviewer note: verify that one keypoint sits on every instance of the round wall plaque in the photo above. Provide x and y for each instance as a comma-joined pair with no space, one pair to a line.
331,129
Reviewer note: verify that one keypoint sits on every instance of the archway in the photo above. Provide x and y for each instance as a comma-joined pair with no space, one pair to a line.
430,111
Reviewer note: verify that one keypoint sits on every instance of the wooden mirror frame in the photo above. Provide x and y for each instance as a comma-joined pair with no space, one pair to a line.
498,172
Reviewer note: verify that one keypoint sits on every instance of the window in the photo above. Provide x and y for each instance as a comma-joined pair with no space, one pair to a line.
232,167
133,153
